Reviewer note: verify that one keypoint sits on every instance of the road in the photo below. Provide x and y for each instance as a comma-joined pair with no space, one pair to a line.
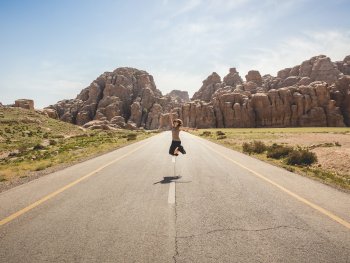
125,206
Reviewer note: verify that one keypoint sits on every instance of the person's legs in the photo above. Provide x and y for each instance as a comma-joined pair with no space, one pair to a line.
173,150
177,145
182,150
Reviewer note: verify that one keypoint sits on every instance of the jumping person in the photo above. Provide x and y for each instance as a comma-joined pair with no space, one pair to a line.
176,146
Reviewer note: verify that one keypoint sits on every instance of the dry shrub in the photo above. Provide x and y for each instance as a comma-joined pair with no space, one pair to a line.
277,151
301,157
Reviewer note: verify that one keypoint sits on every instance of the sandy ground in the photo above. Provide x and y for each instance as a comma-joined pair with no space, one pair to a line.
334,158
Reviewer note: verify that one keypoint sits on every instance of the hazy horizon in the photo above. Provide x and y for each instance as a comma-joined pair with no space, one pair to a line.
52,50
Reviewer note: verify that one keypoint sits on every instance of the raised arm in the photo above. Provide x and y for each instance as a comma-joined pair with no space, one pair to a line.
171,119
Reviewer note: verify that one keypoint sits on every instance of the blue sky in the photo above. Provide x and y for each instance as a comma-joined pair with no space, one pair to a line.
50,50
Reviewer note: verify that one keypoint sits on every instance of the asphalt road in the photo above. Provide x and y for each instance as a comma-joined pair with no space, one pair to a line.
222,206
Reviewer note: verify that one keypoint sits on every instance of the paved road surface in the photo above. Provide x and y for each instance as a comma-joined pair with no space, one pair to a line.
121,207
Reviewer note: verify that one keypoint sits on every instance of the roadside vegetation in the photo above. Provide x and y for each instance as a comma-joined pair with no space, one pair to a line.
306,151
31,142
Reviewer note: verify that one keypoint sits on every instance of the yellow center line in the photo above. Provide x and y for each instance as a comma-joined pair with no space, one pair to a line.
64,188
298,197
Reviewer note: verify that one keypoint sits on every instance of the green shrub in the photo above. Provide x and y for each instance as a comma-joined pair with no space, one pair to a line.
131,136
220,133
254,147
205,133
277,151
301,157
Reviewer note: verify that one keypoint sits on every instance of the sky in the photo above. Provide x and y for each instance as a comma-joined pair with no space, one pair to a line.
51,50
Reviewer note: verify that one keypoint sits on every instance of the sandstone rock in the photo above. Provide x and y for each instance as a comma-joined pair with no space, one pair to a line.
324,70
208,88
125,92
284,73
315,93
304,81
153,120
51,113
179,95
254,76
131,126
295,71
136,113
250,86
119,121
25,104
232,78
290,81
98,125
341,94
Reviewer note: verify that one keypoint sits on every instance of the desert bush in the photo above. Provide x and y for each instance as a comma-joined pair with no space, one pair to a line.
131,136
221,137
42,166
219,133
205,133
301,157
38,147
52,142
254,147
247,147
2,178
277,151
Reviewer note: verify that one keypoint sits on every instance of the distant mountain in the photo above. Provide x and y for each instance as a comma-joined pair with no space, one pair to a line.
314,93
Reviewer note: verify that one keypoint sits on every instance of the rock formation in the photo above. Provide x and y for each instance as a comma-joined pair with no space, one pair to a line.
25,104
124,98
181,96
314,93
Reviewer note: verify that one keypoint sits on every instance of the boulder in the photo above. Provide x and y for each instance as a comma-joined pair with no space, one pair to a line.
208,88
254,76
232,78
25,104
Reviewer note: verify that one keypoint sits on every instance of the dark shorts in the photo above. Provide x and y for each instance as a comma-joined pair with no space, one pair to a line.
173,146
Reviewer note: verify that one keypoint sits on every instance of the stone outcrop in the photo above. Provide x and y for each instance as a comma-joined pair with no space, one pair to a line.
24,104
124,98
254,76
208,88
314,93
181,96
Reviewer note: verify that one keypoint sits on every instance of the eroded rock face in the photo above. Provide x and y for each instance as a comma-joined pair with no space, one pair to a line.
315,93
181,96
25,104
124,98
254,76
208,88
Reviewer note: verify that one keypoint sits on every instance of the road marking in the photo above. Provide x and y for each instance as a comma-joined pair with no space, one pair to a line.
298,197
64,188
171,196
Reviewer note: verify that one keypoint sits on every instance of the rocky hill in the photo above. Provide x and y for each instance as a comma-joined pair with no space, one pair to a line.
125,98
314,93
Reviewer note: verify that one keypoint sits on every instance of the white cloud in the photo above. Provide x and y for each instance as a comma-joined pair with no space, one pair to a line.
187,7
168,81
293,50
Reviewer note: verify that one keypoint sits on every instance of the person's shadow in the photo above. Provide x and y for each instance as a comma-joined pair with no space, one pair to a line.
168,179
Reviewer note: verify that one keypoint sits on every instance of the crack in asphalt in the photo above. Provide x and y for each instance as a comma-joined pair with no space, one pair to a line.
239,229
176,252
